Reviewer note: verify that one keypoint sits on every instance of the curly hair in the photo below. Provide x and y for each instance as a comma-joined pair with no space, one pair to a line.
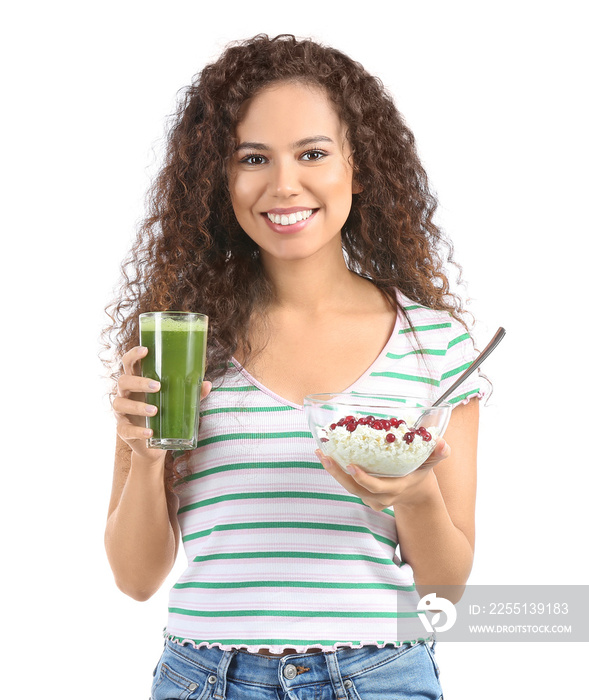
191,254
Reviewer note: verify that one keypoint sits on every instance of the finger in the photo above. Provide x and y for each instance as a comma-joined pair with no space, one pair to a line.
441,451
129,432
370,483
334,469
132,383
328,463
373,484
364,487
205,390
128,407
132,358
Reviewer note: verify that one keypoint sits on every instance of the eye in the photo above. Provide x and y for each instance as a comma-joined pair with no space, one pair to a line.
253,159
313,155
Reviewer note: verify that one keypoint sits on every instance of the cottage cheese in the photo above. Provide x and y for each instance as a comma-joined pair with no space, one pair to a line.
369,449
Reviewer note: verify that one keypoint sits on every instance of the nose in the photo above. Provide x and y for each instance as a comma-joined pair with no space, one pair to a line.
284,179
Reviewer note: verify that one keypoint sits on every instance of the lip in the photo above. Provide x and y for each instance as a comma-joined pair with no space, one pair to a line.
291,228
289,210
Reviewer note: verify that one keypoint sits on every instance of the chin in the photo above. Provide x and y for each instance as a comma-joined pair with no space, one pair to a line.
303,250
291,255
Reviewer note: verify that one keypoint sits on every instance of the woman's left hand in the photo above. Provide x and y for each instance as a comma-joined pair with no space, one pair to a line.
382,492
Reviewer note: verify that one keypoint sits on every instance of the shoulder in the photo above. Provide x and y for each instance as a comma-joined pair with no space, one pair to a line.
443,345
433,327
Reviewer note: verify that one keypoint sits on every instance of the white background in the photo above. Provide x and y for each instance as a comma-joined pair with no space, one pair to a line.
494,94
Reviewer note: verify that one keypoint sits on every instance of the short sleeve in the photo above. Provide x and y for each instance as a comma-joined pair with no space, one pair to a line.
460,354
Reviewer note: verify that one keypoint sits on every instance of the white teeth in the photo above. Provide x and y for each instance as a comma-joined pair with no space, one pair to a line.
287,220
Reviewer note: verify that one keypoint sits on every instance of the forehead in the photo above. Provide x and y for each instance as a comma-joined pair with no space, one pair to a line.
289,112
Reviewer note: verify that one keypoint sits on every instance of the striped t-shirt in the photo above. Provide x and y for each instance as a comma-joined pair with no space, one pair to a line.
279,554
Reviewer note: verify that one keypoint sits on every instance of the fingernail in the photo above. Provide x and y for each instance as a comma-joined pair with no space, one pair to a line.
351,470
154,385
324,460
151,409
148,433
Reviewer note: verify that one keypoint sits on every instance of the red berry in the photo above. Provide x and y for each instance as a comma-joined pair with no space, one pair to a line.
363,421
409,436
390,437
351,426
424,434
341,422
333,426
377,425
347,419
324,439
386,424
370,419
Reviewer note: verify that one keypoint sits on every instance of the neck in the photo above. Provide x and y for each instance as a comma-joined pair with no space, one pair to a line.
313,286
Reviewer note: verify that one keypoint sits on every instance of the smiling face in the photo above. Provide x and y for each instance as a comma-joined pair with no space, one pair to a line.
291,177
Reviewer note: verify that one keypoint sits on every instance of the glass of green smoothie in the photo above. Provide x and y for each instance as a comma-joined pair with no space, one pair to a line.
176,342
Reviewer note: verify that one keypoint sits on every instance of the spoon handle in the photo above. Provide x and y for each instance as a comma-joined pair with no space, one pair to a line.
495,340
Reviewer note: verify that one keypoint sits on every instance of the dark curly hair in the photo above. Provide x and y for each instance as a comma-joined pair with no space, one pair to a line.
191,254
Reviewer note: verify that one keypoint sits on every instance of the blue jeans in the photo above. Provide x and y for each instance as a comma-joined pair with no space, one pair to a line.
368,673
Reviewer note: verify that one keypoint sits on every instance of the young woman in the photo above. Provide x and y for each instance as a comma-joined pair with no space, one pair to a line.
292,209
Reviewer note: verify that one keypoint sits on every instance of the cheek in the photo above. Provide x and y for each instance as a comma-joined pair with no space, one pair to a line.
243,191
339,181
339,191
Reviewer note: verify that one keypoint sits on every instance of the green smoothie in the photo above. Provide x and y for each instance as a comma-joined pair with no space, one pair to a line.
176,344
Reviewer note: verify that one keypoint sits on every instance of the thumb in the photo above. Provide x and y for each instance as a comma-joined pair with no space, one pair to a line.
442,449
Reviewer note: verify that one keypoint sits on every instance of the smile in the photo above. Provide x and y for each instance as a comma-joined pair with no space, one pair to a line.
289,219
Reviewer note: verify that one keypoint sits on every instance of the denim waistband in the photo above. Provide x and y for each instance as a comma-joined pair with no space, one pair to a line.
299,669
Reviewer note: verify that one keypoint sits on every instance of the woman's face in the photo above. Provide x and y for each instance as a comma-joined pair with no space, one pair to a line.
291,177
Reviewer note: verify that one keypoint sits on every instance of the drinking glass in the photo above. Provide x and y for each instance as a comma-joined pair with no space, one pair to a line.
176,342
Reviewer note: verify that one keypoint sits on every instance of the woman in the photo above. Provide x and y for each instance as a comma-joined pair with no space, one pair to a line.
292,209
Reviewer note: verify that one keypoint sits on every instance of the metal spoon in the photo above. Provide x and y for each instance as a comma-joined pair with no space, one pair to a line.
495,340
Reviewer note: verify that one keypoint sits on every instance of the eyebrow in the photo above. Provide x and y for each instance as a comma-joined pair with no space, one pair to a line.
255,146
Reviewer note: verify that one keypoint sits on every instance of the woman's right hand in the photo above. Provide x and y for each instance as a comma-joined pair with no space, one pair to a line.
129,405
130,408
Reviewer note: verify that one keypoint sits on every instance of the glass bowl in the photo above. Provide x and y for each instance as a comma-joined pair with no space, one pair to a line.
375,431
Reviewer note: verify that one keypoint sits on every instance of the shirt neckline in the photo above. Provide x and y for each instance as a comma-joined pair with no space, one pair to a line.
280,399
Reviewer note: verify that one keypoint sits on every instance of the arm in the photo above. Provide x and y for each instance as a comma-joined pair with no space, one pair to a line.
434,505
142,532
436,523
